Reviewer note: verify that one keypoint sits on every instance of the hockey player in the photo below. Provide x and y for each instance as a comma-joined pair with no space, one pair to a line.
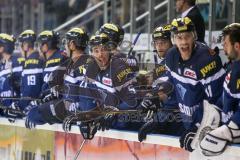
48,46
116,35
32,79
116,79
197,74
54,58
215,142
68,99
161,41
10,71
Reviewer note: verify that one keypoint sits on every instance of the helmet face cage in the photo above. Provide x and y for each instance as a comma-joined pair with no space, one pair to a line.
114,32
8,42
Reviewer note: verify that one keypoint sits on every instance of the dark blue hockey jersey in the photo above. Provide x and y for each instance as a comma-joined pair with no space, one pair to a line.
201,77
32,78
10,76
231,95
74,81
53,64
116,80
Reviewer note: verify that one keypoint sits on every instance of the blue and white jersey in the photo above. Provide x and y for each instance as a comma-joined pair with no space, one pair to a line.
32,78
231,95
53,64
74,81
201,77
116,81
10,77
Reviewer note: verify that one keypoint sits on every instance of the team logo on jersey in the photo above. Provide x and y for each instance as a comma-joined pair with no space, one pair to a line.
107,81
181,90
189,73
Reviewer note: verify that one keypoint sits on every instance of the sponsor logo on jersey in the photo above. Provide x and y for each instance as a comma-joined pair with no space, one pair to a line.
31,61
123,74
187,110
20,60
190,73
56,60
107,81
159,70
208,68
238,84
227,78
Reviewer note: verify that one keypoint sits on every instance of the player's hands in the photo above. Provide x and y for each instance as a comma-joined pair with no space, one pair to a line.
29,124
13,112
88,129
106,121
187,138
149,106
145,129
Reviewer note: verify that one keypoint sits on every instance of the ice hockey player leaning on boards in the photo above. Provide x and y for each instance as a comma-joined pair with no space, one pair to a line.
48,42
10,71
32,79
117,80
197,74
48,47
116,35
162,42
215,142
76,41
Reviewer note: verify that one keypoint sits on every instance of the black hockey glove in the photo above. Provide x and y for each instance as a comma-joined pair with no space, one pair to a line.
68,122
13,112
187,138
149,106
88,129
145,129
107,120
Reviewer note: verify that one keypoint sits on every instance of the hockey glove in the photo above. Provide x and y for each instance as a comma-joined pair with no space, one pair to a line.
13,112
29,124
215,142
145,129
149,106
88,129
187,138
107,120
69,121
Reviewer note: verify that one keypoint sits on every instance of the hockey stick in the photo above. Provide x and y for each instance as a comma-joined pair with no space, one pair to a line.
87,116
17,112
80,148
134,43
21,98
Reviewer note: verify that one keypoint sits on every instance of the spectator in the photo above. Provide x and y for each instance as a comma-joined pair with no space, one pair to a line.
188,8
